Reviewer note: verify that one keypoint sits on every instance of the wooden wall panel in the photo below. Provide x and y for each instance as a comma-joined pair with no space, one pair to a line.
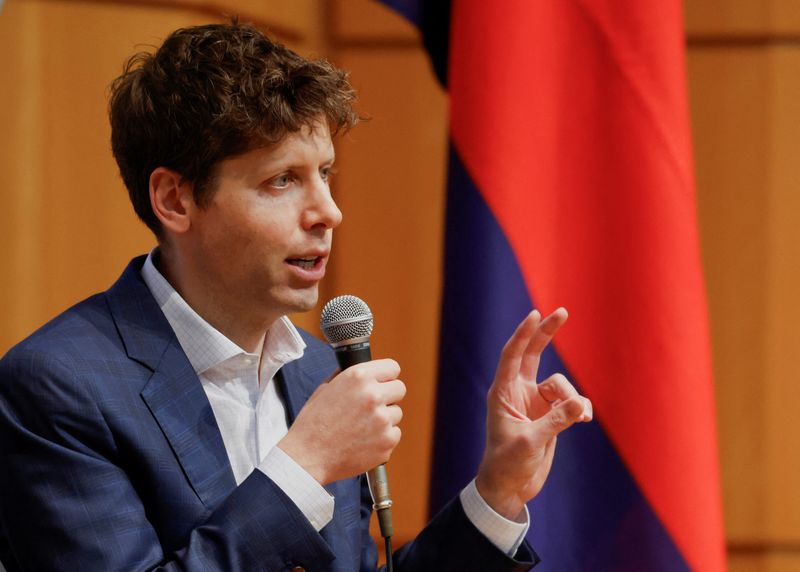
729,99
782,371
744,59
765,561
785,16
715,16
20,172
742,17
368,22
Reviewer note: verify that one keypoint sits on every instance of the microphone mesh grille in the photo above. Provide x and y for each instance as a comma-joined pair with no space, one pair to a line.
344,318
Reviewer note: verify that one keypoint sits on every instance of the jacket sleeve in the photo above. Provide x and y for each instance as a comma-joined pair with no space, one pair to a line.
67,503
450,542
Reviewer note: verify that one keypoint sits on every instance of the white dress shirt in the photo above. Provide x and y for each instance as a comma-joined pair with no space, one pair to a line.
251,416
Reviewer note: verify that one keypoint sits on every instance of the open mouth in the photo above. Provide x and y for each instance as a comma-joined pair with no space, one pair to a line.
306,263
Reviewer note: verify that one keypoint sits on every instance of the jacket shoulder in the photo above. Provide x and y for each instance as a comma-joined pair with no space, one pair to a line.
70,334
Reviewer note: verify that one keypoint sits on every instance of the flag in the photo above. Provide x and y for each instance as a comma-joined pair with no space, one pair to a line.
571,183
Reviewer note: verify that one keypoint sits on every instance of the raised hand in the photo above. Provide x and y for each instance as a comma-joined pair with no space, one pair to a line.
524,418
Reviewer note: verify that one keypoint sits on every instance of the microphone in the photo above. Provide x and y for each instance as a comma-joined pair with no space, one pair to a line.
347,324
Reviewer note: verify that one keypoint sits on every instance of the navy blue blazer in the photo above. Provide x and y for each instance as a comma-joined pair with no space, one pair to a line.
111,459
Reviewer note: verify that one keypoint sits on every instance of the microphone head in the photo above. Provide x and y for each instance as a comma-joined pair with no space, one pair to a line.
345,318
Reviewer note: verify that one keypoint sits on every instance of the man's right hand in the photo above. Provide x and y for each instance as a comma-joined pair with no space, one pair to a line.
349,425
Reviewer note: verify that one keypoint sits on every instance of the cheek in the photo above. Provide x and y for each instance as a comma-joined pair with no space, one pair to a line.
236,232
249,235
262,251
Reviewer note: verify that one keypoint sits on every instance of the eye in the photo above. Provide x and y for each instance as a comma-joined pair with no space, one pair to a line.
281,181
326,173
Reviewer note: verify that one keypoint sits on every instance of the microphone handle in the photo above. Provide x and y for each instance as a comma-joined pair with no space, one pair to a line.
377,479
354,353
378,482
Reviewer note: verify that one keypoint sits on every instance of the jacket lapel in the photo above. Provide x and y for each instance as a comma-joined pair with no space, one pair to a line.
176,399
298,379
295,388
174,393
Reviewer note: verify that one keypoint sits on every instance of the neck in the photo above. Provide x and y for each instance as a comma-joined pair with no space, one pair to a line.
236,322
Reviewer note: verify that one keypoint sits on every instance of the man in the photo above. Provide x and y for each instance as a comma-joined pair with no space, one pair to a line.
179,420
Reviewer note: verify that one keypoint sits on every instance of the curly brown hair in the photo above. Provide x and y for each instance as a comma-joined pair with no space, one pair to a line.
212,92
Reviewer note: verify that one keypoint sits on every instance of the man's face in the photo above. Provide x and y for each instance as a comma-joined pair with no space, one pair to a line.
263,242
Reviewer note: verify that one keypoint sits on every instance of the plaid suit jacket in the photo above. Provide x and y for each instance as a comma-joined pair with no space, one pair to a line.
112,460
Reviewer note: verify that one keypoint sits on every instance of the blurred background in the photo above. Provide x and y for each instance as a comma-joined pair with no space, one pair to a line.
68,229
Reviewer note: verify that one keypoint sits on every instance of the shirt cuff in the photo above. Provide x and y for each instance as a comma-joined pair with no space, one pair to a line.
303,489
505,534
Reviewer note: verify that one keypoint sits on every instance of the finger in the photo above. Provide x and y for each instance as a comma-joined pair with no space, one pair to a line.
557,388
394,414
510,359
561,417
379,369
395,434
588,410
539,340
391,392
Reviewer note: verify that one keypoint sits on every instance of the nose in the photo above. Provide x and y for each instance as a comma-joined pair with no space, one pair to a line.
321,211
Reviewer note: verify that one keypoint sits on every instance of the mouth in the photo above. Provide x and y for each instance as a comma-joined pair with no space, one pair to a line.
305,263
309,266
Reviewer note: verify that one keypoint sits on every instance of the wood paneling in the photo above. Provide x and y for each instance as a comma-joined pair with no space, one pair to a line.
370,23
742,17
744,59
20,172
765,561
780,385
730,105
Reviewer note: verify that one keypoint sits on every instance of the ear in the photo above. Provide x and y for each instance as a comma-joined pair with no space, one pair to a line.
171,200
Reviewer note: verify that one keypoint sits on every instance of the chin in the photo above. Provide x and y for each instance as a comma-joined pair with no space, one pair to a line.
303,302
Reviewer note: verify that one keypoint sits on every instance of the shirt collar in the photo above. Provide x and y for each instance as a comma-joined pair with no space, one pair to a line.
204,345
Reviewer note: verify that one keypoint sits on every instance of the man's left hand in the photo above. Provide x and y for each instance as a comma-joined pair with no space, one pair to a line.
524,418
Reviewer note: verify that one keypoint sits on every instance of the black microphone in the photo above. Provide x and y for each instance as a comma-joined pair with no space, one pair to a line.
347,323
